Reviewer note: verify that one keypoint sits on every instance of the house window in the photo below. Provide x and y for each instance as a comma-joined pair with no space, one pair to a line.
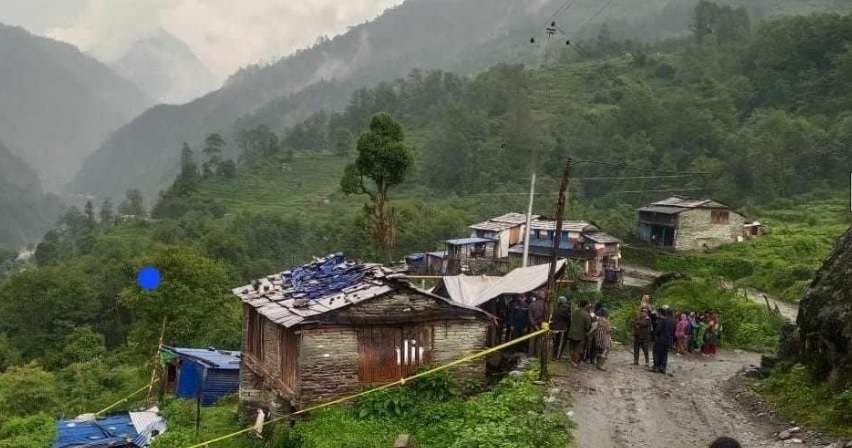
254,334
719,216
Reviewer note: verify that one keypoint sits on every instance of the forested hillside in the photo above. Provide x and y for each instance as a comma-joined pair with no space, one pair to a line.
26,212
57,104
460,36
751,112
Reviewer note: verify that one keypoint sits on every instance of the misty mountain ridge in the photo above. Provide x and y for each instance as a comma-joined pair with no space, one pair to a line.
459,36
57,103
26,212
165,68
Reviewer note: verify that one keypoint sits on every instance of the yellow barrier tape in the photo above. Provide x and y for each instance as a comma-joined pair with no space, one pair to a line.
136,392
398,382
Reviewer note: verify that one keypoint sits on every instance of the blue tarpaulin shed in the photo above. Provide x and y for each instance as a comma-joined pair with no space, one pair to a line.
133,429
207,372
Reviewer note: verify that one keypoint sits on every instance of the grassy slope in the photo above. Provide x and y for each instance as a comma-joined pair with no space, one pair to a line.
802,233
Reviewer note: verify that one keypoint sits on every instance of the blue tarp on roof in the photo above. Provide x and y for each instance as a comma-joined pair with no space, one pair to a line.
218,359
112,431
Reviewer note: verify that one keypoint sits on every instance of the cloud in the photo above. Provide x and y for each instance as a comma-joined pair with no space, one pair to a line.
224,34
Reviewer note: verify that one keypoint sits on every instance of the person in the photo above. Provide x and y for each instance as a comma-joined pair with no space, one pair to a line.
690,336
641,336
502,312
698,335
725,442
581,323
559,325
537,313
681,331
711,338
518,315
663,340
600,339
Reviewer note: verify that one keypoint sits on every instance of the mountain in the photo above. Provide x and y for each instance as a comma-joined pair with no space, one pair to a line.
58,104
165,68
25,211
463,36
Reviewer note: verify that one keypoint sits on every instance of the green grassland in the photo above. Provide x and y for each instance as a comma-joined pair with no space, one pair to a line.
802,232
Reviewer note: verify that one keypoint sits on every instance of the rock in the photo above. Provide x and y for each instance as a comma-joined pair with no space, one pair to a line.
786,434
825,319
793,441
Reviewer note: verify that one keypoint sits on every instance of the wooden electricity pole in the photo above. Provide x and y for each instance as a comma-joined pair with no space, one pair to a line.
544,355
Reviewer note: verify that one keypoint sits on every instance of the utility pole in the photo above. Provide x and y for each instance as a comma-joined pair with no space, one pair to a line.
544,354
529,222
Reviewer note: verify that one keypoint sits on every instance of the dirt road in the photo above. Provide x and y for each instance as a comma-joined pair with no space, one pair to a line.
627,406
788,310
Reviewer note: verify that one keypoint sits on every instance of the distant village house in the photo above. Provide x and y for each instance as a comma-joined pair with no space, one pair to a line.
333,327
689,224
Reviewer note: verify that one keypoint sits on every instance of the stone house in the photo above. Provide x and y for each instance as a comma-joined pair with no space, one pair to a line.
332,327
689,224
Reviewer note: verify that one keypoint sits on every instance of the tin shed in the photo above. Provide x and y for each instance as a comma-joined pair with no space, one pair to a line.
206,371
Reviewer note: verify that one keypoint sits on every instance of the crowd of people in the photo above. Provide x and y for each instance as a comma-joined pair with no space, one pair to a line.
681,332
584,331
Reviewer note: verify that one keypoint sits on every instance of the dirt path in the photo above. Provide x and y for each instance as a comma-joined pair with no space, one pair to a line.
788,310
627,406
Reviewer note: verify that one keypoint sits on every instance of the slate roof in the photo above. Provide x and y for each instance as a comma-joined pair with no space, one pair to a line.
493,226
217,359
567,226
684,202
513,218
298,296
601,237
469,241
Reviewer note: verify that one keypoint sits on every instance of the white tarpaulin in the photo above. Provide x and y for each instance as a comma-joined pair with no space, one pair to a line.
474,290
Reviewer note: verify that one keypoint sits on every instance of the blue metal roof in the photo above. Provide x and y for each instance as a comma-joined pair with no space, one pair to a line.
217,359
540,242
113,431
468,241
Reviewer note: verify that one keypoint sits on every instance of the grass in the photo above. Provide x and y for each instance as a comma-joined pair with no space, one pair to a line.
433,412
782,263
745,325
794,392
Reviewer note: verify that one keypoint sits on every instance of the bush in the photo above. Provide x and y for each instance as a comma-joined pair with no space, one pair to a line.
36,431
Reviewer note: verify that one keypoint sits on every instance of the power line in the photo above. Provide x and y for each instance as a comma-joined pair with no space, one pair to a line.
595,15
565,6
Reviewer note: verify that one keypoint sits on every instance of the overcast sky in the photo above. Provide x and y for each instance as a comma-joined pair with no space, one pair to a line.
225,34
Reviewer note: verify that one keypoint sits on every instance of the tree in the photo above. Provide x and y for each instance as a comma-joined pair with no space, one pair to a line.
342,142
133,204
214,145
89,210
106,214
188,177
227,169
27,390
257,143
384,159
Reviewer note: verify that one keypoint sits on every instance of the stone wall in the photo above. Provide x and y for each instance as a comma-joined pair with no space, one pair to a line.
453,340
400,307
328,364
696,230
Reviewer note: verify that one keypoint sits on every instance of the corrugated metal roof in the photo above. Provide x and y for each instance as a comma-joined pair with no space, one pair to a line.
469,241
218,359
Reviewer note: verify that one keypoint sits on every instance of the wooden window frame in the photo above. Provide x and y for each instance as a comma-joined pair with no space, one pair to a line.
720,216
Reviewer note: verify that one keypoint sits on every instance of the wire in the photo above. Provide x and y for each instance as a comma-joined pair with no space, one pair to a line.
595,15
565,6
399,382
